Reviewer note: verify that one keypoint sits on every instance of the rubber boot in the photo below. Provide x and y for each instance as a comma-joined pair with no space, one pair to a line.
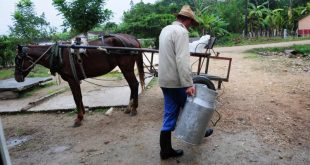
166,150
209,132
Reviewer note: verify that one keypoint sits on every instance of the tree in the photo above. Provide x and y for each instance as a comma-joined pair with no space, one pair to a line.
27,25
83,15
256,16
209,23
109,27
7,50
147,20
231,12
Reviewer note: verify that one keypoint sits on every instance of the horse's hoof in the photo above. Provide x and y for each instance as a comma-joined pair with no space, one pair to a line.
127,111
133,113
77,123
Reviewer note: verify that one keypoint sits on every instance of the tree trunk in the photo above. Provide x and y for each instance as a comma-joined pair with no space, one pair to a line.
246,19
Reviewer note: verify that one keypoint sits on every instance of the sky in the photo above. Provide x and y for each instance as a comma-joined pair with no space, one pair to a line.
7,8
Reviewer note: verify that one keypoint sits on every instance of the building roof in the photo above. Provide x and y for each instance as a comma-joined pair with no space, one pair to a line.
302,17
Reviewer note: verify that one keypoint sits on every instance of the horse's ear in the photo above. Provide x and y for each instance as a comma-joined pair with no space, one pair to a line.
19,47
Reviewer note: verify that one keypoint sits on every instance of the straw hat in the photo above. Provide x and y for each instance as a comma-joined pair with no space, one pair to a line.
188,12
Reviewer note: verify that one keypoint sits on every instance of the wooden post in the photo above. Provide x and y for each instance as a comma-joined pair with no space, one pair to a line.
4,153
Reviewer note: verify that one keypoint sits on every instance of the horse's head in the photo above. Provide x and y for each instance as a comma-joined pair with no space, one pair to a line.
23,63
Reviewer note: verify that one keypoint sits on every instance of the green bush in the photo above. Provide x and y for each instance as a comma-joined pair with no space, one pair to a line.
7,51
147,43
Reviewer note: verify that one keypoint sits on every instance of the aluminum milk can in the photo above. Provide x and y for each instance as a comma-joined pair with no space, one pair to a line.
196,114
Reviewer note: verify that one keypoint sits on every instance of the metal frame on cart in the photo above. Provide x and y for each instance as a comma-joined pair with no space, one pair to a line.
212,77
208,55
152,69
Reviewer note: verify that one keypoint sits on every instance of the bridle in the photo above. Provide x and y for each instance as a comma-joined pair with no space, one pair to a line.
20,58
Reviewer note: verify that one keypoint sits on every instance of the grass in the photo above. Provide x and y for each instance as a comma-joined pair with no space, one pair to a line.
19,132
31,91
303,49
72,113
54,90
153,82
6,73
91,111
253,56
115,74
37,71
281,62
100,110
237,40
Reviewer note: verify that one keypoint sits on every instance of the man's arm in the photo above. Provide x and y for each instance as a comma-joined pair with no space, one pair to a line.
183,59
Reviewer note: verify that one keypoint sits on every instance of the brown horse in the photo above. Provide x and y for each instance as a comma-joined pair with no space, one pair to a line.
93,63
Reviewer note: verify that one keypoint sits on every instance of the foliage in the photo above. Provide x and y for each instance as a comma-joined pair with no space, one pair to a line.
231,12
147,43
213,25
107,28
209,23
273,16
7,51
146,20
65,36
83,15
27,25
143,21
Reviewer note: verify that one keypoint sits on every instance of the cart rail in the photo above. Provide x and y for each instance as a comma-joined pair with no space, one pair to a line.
152,69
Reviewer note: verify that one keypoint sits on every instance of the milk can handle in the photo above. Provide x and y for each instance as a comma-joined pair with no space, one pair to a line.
191,98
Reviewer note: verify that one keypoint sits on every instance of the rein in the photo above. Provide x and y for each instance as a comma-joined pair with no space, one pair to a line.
36,61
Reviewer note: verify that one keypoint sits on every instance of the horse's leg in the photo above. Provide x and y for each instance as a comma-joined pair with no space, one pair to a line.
77,95
134,89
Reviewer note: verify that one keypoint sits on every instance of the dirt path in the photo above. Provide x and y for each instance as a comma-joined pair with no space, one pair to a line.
265,120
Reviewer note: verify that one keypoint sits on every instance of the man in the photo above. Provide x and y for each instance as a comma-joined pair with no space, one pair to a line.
174,74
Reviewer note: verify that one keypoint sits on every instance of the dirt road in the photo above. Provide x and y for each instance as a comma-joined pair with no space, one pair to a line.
265,112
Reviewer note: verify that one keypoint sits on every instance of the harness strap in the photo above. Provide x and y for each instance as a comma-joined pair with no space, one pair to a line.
80,62
72,65
56,61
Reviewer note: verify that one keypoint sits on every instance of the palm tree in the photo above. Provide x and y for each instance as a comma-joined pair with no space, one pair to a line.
209,23
213,25
256,16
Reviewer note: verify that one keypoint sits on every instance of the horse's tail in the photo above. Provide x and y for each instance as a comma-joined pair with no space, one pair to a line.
139,61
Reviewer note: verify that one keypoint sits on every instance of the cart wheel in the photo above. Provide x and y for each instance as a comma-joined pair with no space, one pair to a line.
203,80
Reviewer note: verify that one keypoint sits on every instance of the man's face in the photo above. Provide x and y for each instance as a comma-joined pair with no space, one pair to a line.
188,23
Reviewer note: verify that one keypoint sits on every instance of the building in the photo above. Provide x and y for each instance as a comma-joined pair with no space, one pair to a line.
304,26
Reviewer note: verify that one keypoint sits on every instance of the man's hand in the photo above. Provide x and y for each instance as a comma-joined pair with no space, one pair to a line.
191,91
